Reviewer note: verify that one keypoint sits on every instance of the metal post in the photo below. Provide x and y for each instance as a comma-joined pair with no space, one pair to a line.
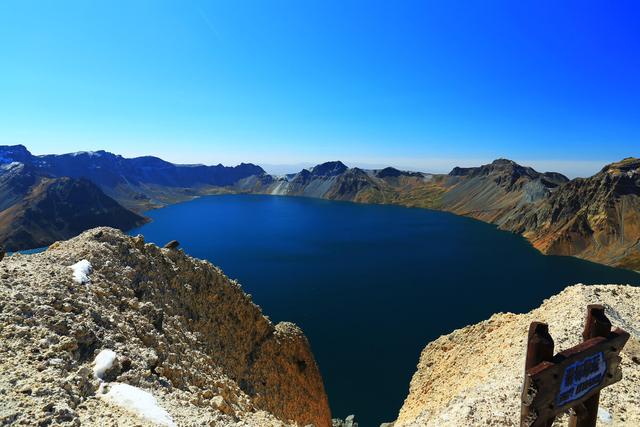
539,349
596,325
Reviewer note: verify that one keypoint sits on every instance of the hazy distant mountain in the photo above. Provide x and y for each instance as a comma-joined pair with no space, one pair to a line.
36,210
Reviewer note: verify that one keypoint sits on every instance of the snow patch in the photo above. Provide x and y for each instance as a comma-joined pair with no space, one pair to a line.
103,362
604,416
8,166
81,271
140,402
87,153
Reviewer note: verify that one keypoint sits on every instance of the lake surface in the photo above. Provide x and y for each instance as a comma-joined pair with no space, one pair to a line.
370,285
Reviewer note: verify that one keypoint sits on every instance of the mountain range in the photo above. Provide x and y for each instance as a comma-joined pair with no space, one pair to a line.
37,209
51,197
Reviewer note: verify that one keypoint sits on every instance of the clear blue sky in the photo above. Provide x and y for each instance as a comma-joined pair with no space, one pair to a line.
416,84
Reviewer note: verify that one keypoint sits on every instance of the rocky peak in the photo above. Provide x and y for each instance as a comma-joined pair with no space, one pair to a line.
14,153
388,172
504,162
250,169
497,166
510,167
505,173
329,169
627,165
393,172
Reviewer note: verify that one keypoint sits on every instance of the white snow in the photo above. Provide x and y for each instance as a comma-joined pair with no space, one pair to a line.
138,401
604,416
88,153
81,271
104,360
8,166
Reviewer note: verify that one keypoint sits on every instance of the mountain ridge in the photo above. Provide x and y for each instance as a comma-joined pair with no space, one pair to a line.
37,209
593,218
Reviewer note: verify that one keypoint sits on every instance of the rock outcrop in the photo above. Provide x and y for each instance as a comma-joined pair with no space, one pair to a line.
474,375
172,330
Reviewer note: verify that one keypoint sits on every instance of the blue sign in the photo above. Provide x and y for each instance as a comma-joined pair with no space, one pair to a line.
581,377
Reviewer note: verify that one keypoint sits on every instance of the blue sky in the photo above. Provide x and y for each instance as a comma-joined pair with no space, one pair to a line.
416,84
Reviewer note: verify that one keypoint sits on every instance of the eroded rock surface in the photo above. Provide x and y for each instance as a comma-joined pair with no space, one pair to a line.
473,376
180,330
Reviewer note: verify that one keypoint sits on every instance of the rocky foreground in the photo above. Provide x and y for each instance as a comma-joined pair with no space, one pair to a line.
473,376
106,330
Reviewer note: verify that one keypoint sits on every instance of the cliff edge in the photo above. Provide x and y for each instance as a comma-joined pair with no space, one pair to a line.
473,376
104,329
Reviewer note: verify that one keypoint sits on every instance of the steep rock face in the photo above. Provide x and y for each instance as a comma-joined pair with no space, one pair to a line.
329,169
474,375
315,182
335,181
491,192
36,210
351,184
180,328
389,172
596,218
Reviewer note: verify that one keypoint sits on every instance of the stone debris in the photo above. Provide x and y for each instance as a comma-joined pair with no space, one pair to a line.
473,376
168,329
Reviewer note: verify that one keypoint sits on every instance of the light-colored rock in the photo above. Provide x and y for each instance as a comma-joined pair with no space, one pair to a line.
474,375
180,328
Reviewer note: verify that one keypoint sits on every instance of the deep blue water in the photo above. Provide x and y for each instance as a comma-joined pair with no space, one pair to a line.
370,285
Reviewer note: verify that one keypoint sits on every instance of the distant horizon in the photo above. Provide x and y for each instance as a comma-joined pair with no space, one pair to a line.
438,166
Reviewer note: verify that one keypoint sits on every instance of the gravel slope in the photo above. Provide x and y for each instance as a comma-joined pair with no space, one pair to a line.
473,375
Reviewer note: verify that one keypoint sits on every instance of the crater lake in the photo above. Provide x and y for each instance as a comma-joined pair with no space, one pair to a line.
370,285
